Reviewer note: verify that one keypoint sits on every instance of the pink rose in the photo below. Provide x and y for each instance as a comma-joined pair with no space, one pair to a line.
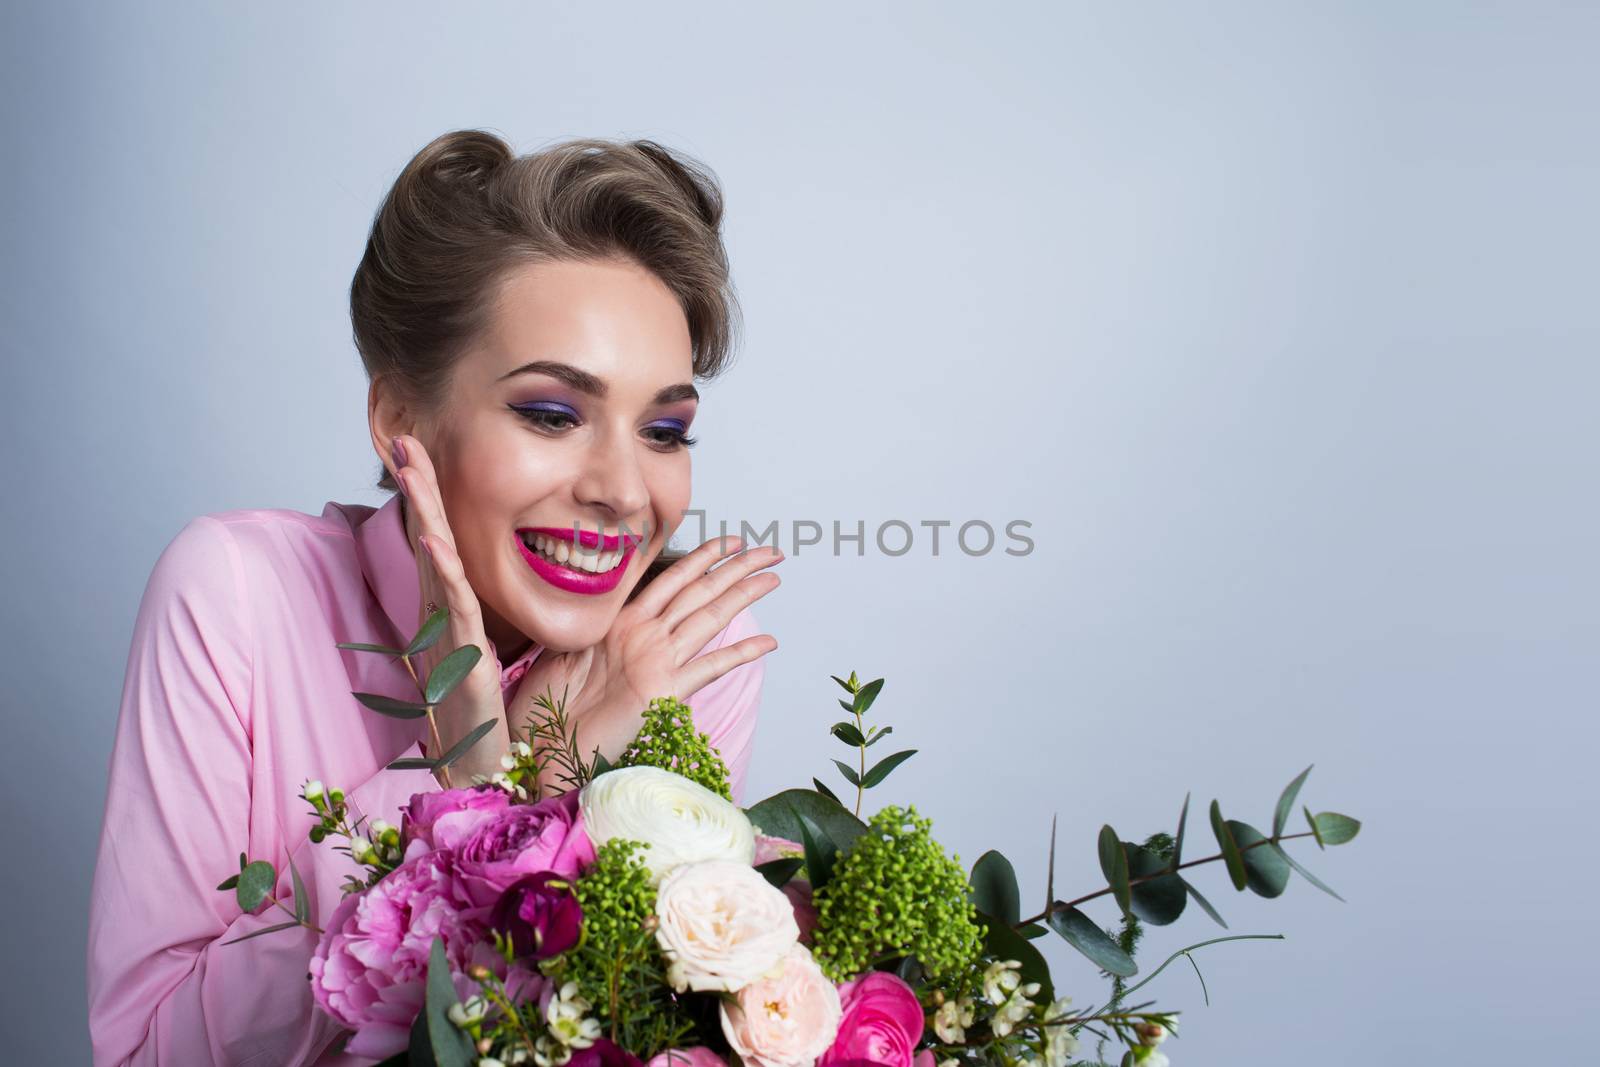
522,839
785,1019
882,1023
442,819
797,889
371,962
696,1056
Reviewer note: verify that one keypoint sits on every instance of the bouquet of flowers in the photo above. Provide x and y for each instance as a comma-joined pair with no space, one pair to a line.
641,917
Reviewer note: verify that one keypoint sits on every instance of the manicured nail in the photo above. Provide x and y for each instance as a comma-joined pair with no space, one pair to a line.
399,453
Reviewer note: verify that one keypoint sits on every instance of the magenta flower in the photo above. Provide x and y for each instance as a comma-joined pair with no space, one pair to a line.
603,1054
694,1056
540,915
371,962
881,1025
522,839
442,819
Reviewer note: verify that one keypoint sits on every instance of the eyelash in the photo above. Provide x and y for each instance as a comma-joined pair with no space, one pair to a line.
538,416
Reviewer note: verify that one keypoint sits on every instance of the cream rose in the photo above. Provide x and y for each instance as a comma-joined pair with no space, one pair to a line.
721,925
787,1019
681,821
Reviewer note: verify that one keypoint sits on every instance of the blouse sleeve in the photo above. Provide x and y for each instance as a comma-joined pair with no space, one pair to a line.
163,987
727,707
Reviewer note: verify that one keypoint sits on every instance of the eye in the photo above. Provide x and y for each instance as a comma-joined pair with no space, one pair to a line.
669,436
547,416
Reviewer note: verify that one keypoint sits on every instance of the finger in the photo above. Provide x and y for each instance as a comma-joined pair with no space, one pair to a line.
422,491
700,592
703,670
666,585
466,618
704,624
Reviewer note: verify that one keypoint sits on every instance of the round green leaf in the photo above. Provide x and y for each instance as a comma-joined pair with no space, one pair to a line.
994,888
1335,829
1080,931
1158,900
1266,871
1230,848
255,884
778,816
1114,864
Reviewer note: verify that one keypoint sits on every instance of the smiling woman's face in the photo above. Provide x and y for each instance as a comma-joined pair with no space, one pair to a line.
571,410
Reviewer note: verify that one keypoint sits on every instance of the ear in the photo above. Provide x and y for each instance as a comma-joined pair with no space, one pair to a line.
387,418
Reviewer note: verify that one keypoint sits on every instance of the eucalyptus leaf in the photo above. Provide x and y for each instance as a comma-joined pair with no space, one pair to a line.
849,708
357,646
878,734
867,694
1307,875
1002,942
255,885
1159,900
778,816
842,683
449,1046
1114,865
1205,905
820,852
880,770
1266,873
1080,931
1230,848
460,748
450,671
1177,842
274,928
1312,821
599,765
395,709
432,629
229,882
1335,829
302,899
847,732
994,888
1286,803
780,871
412,763
1032,930
824,790
848,771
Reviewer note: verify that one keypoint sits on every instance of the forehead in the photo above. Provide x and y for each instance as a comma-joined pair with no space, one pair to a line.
612,318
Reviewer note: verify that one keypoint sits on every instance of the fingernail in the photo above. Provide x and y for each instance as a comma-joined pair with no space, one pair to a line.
399,453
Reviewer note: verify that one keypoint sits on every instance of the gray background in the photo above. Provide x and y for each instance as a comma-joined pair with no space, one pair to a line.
1277,322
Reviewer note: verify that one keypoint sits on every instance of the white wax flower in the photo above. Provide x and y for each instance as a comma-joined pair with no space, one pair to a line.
681,821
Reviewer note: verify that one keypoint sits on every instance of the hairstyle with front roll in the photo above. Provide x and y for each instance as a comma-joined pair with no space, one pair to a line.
466,211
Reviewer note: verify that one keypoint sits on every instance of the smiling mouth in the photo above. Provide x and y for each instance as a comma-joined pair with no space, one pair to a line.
568,555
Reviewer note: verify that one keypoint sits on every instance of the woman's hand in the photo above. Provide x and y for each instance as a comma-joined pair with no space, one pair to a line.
650,650
443,582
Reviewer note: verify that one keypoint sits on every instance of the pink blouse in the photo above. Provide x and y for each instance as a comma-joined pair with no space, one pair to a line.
235,695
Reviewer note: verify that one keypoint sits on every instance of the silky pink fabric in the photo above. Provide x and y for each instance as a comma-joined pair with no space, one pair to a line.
235,695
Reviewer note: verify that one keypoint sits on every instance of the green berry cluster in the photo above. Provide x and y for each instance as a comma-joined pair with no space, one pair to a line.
668,740
896,893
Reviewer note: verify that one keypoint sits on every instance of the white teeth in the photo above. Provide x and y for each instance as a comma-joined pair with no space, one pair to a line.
568,554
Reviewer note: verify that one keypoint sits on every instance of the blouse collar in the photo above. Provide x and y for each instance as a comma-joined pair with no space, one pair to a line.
390,568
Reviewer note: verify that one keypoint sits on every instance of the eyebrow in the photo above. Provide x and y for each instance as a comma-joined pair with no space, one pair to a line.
584,382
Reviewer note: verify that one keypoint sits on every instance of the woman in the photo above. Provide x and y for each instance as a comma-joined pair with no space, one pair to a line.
531,328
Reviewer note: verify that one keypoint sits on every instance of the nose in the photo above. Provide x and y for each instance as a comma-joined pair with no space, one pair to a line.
611,479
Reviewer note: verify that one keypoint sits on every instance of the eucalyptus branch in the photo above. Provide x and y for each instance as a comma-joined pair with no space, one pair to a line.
433,726
1059,905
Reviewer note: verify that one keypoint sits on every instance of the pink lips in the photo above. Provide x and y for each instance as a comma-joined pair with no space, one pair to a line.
574,581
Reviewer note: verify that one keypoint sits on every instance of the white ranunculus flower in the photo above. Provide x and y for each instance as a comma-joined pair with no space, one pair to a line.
681,821
722,925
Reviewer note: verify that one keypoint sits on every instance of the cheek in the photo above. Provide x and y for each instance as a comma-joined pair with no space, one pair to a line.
669,492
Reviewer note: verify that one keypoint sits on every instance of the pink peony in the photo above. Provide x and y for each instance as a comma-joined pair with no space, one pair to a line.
696,1056
442,819
372,960
797,889
882,1023
523,839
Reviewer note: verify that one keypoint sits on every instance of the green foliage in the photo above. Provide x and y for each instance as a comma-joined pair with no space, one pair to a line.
859,736
669,740
617,964
779,816
895,893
